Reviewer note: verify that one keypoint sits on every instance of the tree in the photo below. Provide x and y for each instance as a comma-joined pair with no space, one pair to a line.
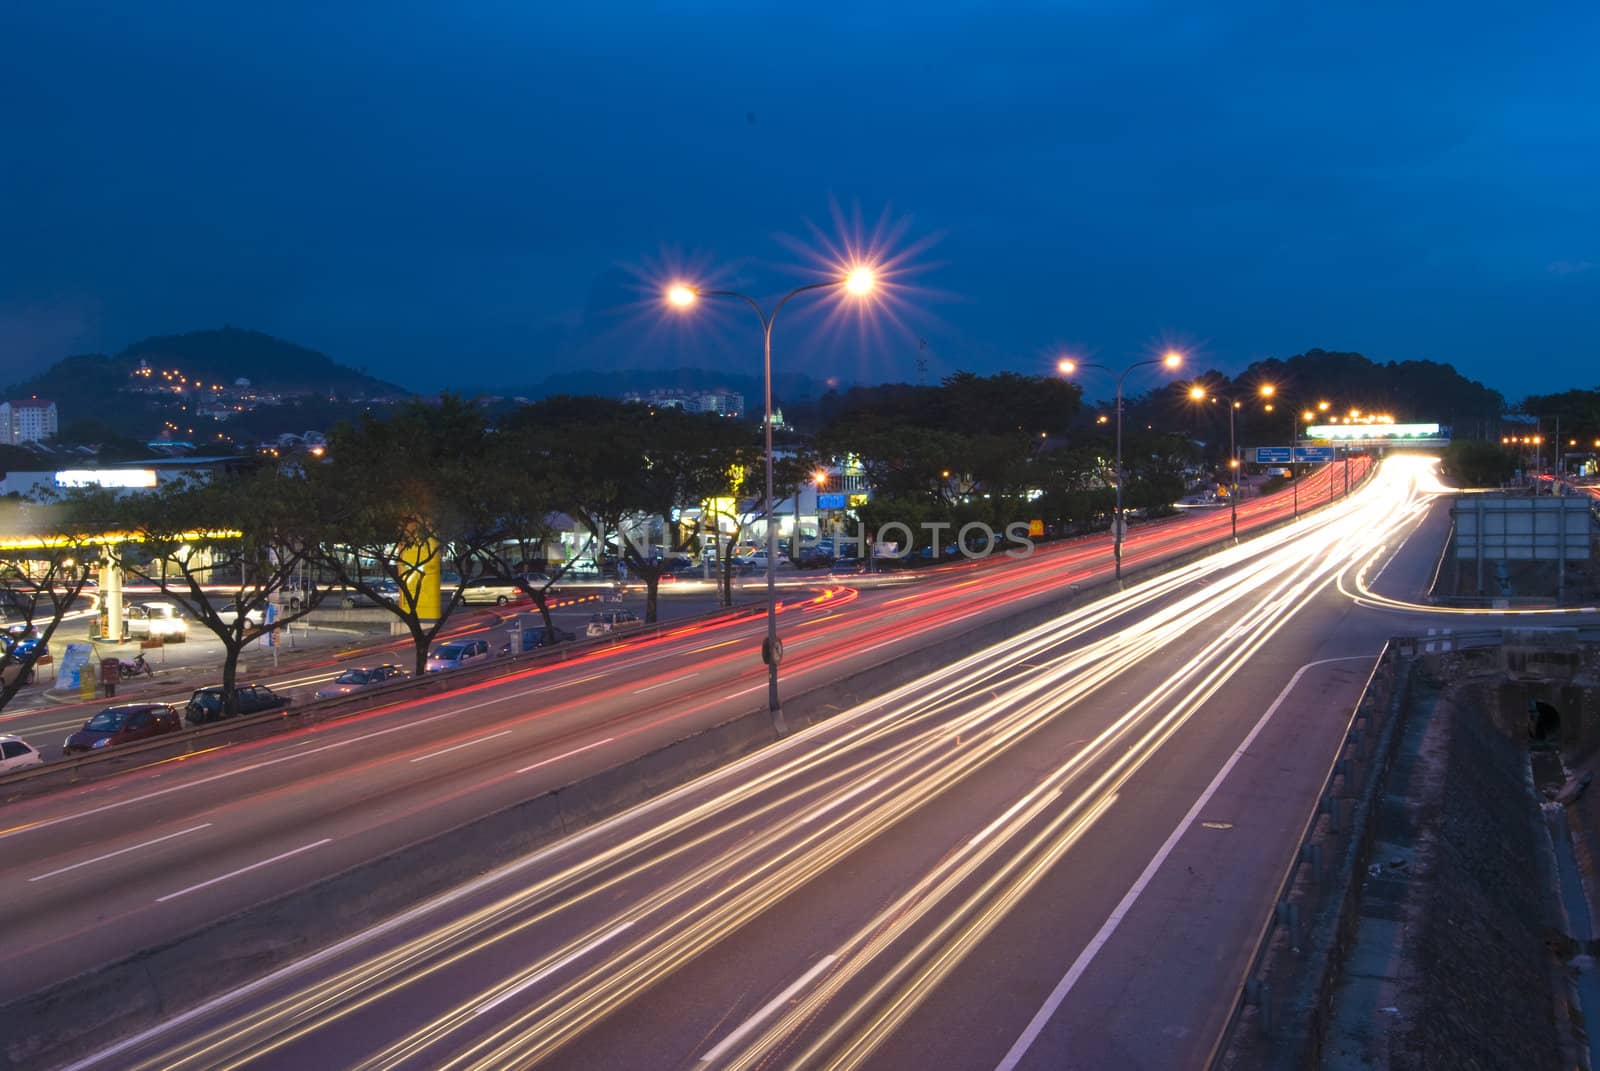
510,502
630,468
1475,463
41,576
400,501
237,539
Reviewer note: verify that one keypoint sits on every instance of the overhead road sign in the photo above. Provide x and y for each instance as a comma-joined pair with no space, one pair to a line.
1274,455
1313,455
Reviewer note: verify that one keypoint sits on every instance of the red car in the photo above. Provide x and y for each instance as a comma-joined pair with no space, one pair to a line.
123,725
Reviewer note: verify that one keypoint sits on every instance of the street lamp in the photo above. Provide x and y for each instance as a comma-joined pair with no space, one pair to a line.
1199,394
1066,366
859,282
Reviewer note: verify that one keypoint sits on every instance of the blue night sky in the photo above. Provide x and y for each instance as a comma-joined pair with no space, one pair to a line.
481,194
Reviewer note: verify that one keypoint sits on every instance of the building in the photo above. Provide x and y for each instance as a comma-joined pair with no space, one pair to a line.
30,421
722,402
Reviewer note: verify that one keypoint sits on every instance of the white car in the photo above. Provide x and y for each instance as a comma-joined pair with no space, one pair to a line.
253,617
490,589
17,754
155,619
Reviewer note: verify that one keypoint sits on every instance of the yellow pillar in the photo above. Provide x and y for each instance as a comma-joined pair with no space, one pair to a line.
424,570
111,597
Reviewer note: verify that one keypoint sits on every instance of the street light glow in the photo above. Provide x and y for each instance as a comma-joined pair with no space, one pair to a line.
1197,393
1268,390
1172,359
1323,407
1066,366
861,281
820,476
681,295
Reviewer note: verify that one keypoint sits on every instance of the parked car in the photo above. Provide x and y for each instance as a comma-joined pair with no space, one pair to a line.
387,590
205,705
253,616
490,589
153,620
758,560
610,621
539,636
17,754
124,724
356,680
456,654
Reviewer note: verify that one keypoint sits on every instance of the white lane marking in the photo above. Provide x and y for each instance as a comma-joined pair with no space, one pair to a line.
245,870
826,807
263,764
1036,1025
122,851
458,747
663,684
566,754
450,897
1009,811
766,1011
535,979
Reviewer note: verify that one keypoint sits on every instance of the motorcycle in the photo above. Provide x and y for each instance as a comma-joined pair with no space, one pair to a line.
129,670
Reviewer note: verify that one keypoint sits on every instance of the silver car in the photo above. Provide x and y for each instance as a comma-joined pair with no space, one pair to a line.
360,679
457,653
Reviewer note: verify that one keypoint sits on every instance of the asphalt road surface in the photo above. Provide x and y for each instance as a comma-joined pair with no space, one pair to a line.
1058,848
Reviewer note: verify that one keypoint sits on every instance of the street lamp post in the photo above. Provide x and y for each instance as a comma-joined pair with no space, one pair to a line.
858,281
1197,393
1067,367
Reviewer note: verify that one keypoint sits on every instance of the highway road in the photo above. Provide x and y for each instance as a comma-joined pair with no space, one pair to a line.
184,842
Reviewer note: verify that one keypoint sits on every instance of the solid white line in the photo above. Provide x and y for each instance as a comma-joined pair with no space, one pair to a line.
566,754
458,747
1037,1024
663,684
826,807
122,851
1009,811
245,870
553,968
766,1010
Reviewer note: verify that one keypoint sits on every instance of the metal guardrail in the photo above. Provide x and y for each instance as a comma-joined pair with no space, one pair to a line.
1350,772
197,739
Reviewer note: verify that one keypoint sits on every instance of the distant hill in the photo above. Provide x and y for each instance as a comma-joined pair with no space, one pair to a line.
269,363
221,356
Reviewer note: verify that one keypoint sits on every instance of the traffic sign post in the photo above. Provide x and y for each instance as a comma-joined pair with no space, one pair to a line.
1274,455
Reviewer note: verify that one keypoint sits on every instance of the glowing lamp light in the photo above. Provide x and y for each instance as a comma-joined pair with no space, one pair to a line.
861,281
1172,359
820,477
1066,366
1197,393
681,296
1268,390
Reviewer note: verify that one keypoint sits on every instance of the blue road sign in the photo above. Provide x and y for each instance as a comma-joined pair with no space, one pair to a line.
1313,455
1274,455
834,501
